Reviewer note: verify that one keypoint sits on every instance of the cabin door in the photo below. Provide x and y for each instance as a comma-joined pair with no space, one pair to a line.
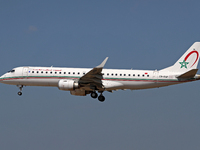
155,76
25,72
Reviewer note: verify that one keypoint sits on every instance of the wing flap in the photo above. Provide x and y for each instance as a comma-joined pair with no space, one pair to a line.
94,76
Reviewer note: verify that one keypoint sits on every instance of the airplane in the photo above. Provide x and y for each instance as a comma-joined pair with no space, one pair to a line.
83,81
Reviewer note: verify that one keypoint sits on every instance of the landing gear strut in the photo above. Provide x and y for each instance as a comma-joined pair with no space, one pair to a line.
20,88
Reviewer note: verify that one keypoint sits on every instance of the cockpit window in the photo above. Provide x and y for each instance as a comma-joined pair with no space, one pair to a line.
11,71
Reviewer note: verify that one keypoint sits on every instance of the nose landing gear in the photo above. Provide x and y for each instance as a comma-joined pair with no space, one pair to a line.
20,88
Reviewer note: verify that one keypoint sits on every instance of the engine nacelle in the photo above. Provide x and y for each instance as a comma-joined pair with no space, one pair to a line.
67,85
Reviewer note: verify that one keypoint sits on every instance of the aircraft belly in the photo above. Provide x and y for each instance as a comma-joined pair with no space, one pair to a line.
11,82
134,85
40,82
33,82
139,84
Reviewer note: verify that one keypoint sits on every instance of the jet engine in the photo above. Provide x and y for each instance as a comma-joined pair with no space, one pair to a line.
67,85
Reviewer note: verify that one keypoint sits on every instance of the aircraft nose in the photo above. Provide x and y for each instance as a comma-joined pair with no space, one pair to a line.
2,77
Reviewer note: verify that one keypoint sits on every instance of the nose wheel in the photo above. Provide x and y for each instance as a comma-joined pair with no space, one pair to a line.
19,93
20,88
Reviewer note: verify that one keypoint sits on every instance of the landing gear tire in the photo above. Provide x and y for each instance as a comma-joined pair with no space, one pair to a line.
101,98
94,95
20,88
19,93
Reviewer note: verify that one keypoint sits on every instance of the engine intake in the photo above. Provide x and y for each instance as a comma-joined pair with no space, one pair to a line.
67,85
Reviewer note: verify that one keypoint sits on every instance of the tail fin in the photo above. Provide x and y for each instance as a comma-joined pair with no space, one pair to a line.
188,61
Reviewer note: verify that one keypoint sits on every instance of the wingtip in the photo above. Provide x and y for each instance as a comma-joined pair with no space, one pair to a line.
103,63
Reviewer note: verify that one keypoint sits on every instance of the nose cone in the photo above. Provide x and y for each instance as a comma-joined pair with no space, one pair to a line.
2,78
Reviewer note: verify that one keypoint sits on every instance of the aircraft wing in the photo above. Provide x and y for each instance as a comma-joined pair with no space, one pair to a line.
92,79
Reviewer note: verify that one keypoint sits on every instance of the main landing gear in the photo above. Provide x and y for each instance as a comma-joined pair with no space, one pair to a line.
101,98
20,88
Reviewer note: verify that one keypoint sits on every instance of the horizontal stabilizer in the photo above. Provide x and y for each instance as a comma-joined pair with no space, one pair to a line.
189,74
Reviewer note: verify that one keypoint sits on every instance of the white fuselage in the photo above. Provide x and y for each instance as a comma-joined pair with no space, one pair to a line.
113,79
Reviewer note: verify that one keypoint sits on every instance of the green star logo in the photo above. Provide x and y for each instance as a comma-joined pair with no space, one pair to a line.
184,64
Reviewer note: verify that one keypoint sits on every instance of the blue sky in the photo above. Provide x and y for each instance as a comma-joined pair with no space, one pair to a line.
133,34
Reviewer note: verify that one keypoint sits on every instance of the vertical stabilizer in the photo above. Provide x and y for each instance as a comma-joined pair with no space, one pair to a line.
188,61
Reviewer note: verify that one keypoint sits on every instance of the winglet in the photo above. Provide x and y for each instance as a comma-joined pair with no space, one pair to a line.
102,64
